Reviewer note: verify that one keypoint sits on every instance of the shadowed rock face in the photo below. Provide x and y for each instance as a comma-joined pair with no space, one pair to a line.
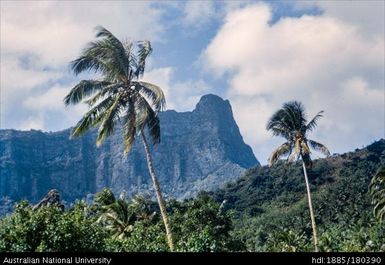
52,198
199,150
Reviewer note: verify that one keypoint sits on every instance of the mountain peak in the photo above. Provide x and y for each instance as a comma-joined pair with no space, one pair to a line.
199,150
211,102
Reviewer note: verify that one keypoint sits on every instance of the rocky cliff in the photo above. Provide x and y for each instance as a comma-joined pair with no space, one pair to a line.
199,150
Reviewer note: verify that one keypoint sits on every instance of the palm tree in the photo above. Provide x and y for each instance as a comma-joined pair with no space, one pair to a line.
377,191
290,123
120,96
143,208
118,217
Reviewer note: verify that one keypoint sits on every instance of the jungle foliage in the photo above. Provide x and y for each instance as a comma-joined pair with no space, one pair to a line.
117,224
266,210
271,209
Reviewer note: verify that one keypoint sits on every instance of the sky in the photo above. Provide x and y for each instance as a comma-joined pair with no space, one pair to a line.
327,54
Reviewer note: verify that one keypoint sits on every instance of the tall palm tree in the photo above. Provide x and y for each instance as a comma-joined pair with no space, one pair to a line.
120,95
377,191
290,123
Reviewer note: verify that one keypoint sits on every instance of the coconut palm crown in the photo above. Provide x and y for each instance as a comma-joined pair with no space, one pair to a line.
290,123
119,95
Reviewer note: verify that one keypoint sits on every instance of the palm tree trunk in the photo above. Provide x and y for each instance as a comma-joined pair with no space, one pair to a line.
313,224
158,194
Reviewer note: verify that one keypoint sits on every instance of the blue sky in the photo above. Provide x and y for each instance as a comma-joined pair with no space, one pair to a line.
328,54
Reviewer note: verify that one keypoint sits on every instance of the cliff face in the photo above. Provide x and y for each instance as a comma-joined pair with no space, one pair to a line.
199,150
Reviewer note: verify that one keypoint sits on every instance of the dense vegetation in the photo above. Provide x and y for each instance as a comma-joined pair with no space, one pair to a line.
271,208
111,224
266,210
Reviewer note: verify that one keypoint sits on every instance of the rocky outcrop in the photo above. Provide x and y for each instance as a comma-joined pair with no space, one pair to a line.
52,198
199,150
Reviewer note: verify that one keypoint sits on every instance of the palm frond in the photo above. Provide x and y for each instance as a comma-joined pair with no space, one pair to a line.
377,192
296,152
129,127
378,181
145,50
147,118
92,117
287,120
379,208
116,50
295,115
313,123
319,147
280,151
132,60
84,89
278,126
153,126
103,56
288,117
108,122
279,130
109,90
152,92
293,156
87,62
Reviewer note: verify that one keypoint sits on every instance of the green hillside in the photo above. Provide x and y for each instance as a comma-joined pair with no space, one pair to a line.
266,210
271,212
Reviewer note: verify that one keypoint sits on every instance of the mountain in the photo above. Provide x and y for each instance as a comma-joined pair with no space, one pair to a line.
199,150
272,211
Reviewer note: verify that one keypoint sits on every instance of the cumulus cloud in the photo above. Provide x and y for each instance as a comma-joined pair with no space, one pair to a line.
324,61
47,109
197,15
367,15
56,31
40,38
51,99
198,12
180,95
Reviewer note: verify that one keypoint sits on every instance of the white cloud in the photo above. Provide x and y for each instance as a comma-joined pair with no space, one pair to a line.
56,31
198,13
161,77
324,61
17,82
32,122
40,38
180,95
367,15
51,99
15,76
48,112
